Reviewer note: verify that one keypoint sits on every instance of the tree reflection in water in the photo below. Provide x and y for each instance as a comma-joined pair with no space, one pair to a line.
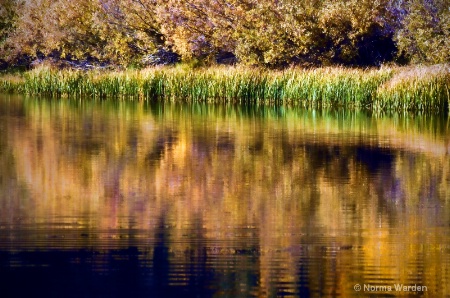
108,198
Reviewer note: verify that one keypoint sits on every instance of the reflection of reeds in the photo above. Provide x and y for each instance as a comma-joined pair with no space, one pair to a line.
211,199
409,88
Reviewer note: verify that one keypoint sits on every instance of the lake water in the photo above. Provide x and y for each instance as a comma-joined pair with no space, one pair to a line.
123,199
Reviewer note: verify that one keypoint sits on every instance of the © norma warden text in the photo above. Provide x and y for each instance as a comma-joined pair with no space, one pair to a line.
390,288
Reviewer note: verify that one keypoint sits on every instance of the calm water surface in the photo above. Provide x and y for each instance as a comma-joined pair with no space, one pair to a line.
115,199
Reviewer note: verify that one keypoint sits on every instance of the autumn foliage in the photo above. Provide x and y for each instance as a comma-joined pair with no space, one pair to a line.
262,32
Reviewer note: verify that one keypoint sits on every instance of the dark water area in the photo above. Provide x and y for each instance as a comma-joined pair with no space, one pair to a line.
130,199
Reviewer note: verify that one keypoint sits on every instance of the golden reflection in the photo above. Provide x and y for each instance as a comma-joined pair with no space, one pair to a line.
342,196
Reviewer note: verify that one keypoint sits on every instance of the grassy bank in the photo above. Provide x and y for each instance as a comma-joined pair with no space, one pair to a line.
407,88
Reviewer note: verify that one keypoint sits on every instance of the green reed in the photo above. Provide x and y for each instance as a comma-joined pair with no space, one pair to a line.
11,84
413,88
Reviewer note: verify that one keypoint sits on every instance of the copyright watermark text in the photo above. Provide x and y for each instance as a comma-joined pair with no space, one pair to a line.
390,288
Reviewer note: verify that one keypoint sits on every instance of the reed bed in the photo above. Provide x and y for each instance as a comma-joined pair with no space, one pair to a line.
11,84
413,88
417,88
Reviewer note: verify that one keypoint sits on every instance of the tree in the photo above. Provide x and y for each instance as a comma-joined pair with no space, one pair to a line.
425,32
8,18
115,31
135,26
199,28
264,32
358,31
45,26
317,32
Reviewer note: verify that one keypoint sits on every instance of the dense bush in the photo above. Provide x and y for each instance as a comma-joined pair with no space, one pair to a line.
264,32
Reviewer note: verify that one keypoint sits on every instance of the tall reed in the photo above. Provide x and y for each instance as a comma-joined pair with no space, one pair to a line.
417,89
11,83
411,88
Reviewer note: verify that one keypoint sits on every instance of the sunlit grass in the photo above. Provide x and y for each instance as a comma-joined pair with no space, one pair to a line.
416,88
407,88
11,83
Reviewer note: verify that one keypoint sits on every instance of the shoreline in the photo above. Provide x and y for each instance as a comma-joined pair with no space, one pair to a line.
409,88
